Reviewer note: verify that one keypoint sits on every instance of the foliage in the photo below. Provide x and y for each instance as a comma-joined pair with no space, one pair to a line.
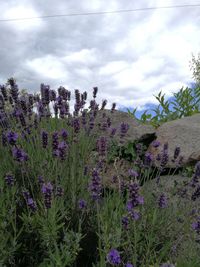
55,209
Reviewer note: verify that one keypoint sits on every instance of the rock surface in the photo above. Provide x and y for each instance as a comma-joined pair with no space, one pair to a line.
183,133
136,131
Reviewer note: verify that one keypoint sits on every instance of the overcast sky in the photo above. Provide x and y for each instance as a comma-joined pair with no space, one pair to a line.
129,56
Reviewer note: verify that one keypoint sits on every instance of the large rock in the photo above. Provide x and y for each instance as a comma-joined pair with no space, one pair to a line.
183,133
136,131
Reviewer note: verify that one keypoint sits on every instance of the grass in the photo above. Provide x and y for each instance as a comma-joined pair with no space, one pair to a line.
55,209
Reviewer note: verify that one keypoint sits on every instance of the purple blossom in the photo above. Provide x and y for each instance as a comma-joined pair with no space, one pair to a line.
113,107
95,90
135,199
164,158
125,222
123,129
196,226
135,215
176,152
60,152
47,190
196,175
31,204
55,141
29,201
95,186
162,201
82,204
133,173
19,154
59,191
138,148
101,145
64,134
76,125
104,103
113,257
155,143
40,179
128,264
113,132
196,193
44,139
148,159
12,137
9,179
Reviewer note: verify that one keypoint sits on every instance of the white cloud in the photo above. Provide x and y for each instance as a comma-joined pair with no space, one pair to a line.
48,66
19,12
129,56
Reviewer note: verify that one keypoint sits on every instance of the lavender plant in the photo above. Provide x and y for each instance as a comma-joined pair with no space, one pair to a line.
55,208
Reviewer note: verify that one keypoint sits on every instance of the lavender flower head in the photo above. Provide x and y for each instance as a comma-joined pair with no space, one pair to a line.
47,190
29,201
19,155
82,204
196,226
64,134
162,201
9,179
155,143
12,137
148,159
133,173
123,129
95,185
44,139
113,257
125,222
128,264
101,145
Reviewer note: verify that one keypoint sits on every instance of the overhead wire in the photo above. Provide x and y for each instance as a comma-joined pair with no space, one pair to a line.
102,12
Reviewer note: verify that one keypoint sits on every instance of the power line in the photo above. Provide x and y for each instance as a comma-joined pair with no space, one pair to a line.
100,12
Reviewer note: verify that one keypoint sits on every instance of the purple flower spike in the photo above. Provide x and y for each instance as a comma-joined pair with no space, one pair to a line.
113,107
135,215
12,138
47,190
31,204
95,185
113,132
113,257
155,143
133,173
64,134
162,201
82,204
9,179
176,152
95,90
44,139
148,159
123,129
102,146
19,154
129,265
125,222
196,226
59,191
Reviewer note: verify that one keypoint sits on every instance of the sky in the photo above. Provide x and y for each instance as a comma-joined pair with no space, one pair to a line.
130,57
